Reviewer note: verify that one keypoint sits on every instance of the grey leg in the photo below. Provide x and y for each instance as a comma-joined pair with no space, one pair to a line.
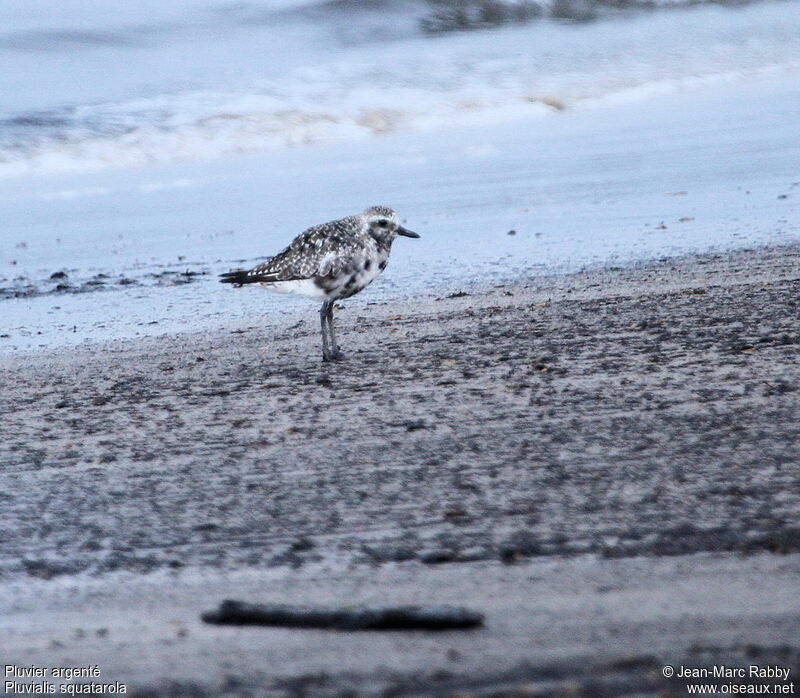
323,318
335,353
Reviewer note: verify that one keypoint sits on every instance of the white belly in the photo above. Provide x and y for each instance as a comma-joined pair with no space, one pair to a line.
302,287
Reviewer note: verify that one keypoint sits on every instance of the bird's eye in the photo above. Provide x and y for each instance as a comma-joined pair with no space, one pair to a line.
383,223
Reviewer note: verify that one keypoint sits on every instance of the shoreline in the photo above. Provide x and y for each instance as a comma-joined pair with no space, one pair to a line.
289,312
577,189
585,457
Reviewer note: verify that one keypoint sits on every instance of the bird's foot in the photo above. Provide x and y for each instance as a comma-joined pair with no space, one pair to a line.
335,355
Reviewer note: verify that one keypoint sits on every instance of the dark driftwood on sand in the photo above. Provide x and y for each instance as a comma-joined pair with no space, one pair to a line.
439,617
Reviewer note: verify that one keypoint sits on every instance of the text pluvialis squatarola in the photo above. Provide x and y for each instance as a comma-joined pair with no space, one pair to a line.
329,262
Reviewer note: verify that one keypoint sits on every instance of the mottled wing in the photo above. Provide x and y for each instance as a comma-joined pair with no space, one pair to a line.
325,250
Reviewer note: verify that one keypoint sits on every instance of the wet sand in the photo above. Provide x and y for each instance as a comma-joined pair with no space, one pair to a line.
604,463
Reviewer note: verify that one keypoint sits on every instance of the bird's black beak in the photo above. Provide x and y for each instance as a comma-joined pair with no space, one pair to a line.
407,233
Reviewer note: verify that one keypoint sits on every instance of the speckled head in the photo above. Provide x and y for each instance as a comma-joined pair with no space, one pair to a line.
384,224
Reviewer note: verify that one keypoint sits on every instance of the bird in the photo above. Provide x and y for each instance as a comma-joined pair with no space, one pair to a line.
329,262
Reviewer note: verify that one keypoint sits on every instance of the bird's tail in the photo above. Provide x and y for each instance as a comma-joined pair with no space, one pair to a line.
237,278
240,277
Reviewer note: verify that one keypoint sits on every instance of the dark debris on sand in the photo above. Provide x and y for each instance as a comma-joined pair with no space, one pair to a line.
432,617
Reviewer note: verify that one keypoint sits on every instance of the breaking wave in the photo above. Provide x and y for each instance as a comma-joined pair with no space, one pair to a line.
418,82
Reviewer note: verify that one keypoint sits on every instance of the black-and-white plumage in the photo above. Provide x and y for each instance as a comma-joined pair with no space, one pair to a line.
329,262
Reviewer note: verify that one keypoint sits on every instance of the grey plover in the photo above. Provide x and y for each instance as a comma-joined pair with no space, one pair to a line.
329,262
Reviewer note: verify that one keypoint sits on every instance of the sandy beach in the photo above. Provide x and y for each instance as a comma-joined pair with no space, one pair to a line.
604,463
